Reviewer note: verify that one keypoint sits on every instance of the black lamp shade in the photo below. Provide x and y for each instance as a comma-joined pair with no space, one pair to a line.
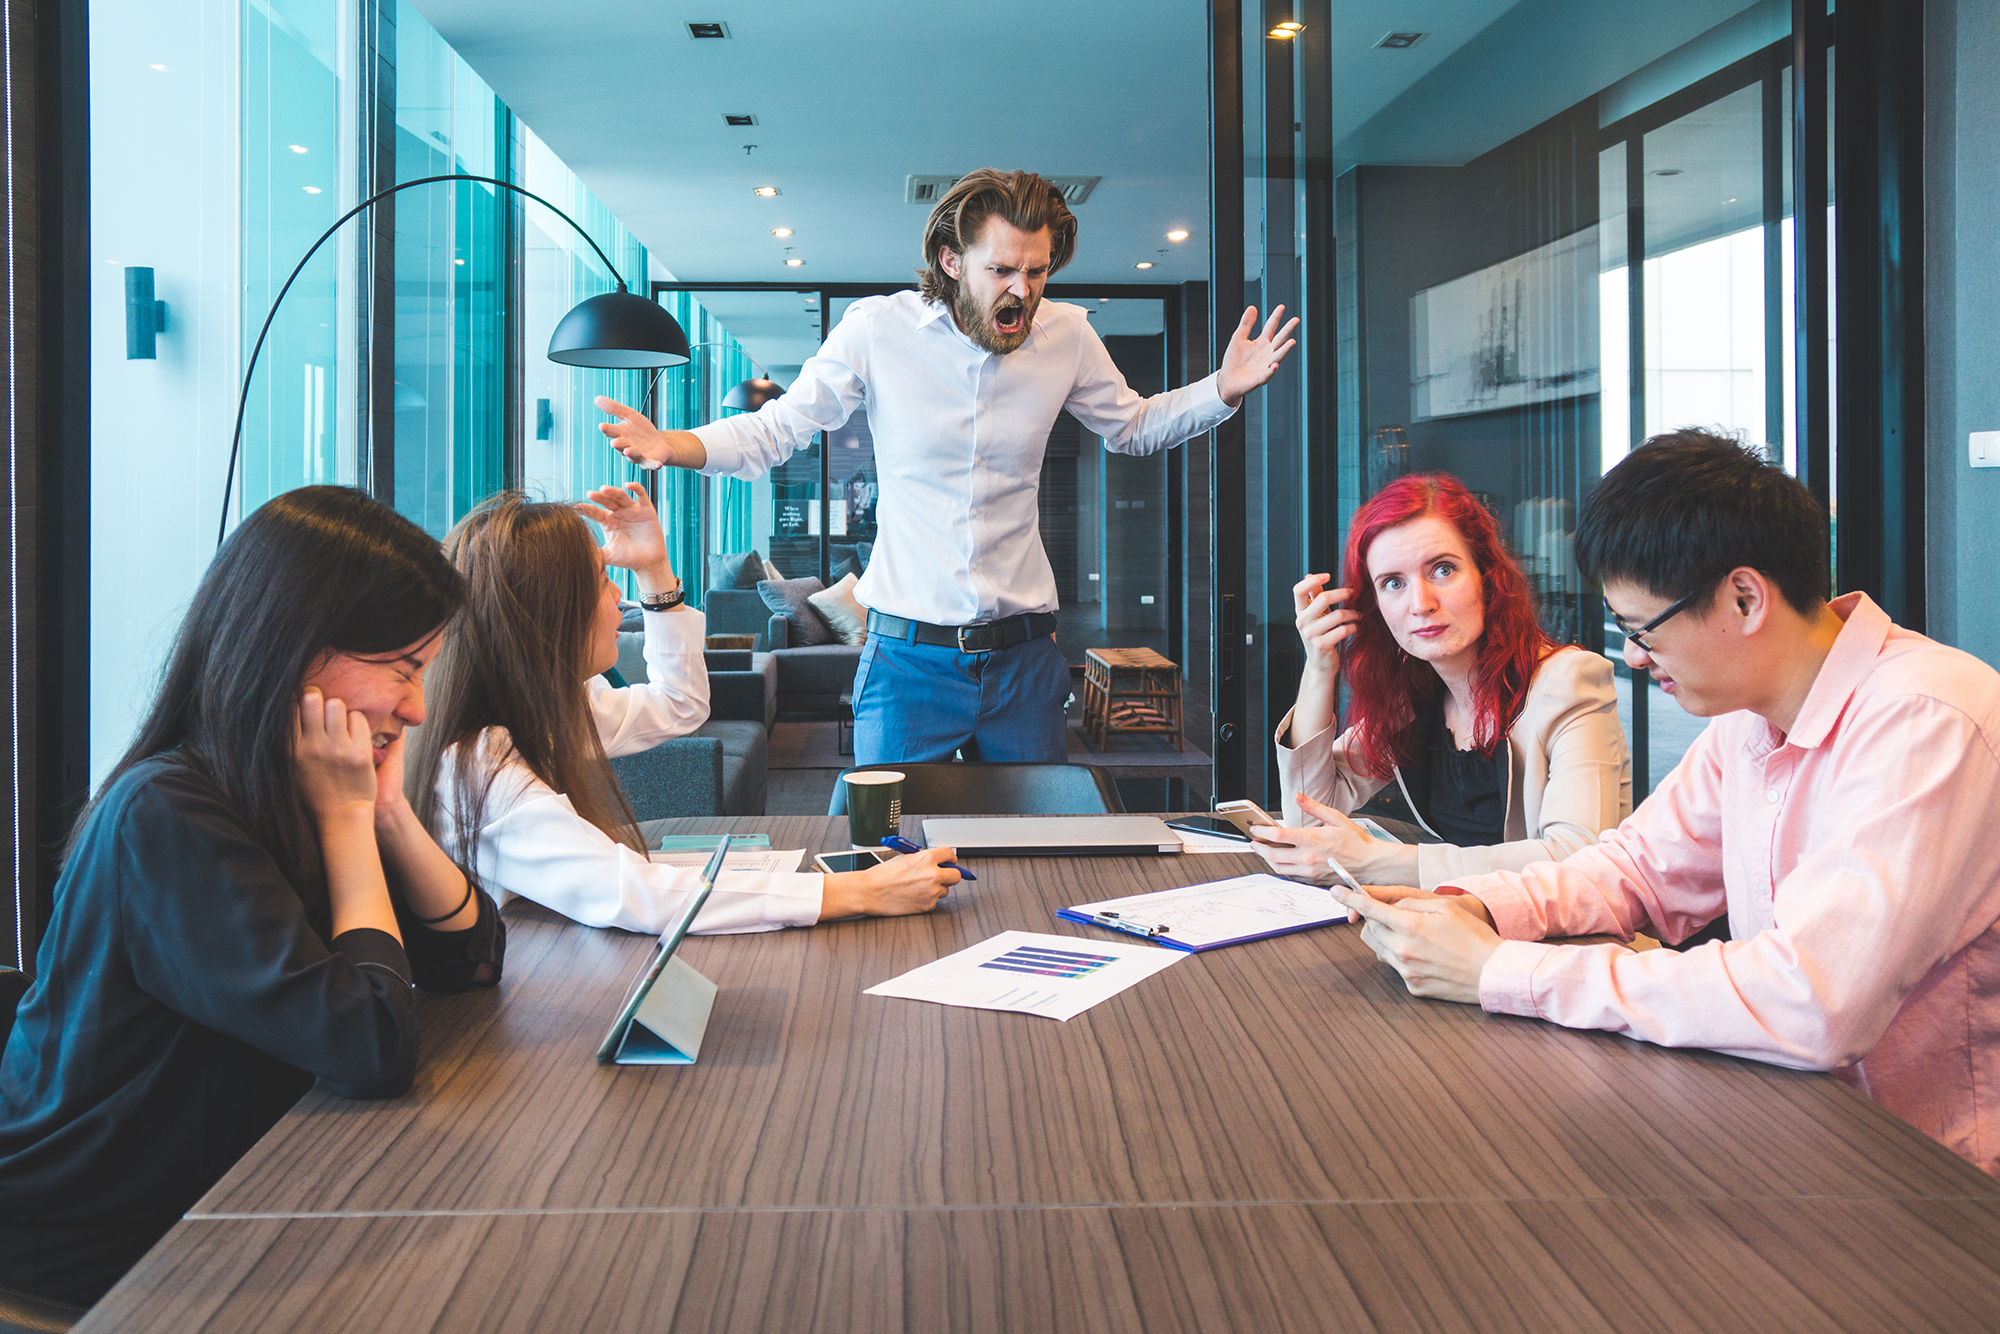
619,331
752,394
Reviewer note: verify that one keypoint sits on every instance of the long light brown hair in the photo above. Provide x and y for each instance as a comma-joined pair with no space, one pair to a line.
1022,198
518,657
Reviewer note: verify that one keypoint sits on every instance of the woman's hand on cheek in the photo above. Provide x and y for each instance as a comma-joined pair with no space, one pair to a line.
389,779
333,756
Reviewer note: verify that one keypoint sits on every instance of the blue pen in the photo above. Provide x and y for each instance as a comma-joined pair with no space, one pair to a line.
897,843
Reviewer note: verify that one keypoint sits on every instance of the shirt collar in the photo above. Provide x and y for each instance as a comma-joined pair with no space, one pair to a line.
1847,665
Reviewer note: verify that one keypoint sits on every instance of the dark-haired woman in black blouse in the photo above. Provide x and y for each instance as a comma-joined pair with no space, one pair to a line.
246,903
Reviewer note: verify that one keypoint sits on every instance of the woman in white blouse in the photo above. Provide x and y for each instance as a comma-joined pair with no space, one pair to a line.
511,771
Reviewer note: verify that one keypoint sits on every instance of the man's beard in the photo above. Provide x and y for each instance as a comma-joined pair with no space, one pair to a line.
978,321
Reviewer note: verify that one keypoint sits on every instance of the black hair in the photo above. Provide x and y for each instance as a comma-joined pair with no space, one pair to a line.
1687,507
317,570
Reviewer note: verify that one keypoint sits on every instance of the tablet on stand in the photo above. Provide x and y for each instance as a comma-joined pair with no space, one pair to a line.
666,1013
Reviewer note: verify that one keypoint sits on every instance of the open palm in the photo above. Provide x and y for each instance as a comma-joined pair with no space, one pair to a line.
632,536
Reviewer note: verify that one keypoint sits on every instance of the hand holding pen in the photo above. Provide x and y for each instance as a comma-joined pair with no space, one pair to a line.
897,843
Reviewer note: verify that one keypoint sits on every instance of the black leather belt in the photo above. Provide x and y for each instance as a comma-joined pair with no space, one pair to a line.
965,638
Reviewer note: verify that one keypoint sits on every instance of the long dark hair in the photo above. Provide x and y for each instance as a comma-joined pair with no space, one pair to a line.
519,659
318,570
1385,683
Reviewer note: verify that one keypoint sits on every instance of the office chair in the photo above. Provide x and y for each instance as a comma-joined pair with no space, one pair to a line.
996,789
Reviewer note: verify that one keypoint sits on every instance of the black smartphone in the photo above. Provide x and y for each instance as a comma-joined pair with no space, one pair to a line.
1208,824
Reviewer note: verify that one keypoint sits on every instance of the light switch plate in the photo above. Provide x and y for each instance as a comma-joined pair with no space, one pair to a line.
1985,449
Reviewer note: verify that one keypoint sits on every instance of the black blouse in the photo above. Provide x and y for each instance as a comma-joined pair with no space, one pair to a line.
1466,792
182,1002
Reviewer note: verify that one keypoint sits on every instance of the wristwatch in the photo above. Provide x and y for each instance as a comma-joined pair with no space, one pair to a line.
665,601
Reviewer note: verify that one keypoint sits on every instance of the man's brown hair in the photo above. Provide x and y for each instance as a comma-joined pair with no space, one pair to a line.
1020,198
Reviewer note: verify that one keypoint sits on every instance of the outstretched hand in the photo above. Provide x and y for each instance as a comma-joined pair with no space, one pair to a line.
646,444
1249,362
632,536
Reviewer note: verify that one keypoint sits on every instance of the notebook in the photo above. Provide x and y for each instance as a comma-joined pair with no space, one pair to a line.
1052,835
1222,912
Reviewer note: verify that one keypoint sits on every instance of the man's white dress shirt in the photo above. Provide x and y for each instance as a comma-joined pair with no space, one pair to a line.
959,438
535,845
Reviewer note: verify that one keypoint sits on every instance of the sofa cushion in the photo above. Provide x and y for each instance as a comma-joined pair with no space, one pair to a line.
735,569
736,611
805,627
842,610
746,758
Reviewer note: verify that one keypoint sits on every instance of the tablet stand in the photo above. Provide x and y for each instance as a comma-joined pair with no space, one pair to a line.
668,1027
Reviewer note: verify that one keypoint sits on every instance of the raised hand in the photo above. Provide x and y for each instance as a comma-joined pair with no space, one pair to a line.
633,539
1323,623
333,756
646,444
1251,361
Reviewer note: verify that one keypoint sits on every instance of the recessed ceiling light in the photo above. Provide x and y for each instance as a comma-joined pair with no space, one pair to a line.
710,30
781,231
1290,25
297,148
312,189
1143,264
738,118
1177,234
767,191
1283,34
459,262
159,67
1400,41
795,263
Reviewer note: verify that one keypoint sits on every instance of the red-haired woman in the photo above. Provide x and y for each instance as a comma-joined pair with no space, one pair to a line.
1505,746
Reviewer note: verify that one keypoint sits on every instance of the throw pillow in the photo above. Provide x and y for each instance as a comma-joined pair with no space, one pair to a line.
736,569
843,611
789,598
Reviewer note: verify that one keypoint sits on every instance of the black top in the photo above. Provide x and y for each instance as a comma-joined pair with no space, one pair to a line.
183,1001
1464,793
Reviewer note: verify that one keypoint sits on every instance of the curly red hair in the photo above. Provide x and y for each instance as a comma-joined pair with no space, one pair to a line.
1385,684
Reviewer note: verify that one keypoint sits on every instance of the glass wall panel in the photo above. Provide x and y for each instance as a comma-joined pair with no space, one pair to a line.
297,177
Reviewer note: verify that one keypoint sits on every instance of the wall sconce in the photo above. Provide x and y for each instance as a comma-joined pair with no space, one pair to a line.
145,318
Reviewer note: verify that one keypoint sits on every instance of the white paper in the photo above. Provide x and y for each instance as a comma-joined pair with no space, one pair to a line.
1247,905
1195,842
767,861
1057,977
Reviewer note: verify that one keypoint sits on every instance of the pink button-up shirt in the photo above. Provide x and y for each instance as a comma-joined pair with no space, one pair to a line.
1859,861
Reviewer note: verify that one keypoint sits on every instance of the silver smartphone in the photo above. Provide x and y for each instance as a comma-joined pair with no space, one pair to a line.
834,863
1244,814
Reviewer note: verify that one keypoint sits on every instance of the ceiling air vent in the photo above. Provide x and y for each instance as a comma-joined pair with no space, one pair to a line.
1401,41
928,189
708,29
738,118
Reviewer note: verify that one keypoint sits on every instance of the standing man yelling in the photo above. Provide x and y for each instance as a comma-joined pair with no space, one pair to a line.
963,380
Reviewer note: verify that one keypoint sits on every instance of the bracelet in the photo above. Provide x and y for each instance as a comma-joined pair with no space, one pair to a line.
433,921
665,601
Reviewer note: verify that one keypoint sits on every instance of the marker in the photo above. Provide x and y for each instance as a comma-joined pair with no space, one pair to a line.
897,843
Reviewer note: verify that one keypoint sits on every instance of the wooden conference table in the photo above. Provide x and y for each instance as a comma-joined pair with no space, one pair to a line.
1268,1137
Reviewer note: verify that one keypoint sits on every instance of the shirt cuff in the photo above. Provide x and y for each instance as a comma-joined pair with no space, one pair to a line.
365,945
725,449
1512,910
1209,404
680,629
1507,982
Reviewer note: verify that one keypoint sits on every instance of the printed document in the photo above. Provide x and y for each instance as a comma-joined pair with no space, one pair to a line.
1057,977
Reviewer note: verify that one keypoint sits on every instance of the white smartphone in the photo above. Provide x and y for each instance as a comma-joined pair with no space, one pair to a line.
835,863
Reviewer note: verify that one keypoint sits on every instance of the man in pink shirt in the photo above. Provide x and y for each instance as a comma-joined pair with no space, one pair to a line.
1839,809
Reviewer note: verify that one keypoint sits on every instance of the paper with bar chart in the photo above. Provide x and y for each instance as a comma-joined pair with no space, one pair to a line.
1057,977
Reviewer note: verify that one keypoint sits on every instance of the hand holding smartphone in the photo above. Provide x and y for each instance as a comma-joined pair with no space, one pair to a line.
1247,814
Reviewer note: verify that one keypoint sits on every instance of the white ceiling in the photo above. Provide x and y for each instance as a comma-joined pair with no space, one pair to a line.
853,97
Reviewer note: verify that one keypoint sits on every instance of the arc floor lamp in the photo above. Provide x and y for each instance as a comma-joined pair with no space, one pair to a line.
618,330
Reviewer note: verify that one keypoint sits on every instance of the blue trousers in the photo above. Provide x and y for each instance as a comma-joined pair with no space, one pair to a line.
918,703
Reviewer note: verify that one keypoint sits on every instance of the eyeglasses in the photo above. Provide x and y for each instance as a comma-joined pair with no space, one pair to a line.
1639,636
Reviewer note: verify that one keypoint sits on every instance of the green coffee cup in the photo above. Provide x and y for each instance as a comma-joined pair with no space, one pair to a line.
874,806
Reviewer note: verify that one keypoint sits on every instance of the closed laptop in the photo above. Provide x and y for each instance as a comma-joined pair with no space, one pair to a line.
1052,835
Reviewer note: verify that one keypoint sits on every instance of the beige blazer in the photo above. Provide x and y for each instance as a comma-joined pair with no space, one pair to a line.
1569,775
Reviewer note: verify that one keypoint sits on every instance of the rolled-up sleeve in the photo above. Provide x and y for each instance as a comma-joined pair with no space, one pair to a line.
1319,766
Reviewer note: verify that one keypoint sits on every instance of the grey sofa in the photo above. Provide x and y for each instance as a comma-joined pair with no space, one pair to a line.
723,768
809,680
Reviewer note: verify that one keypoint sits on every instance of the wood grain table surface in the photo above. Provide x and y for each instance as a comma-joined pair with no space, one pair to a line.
1274,1136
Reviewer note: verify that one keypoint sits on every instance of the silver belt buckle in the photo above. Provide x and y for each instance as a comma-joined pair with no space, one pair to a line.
961,639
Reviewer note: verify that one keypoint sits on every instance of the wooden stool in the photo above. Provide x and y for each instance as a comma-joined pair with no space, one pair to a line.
1130,690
